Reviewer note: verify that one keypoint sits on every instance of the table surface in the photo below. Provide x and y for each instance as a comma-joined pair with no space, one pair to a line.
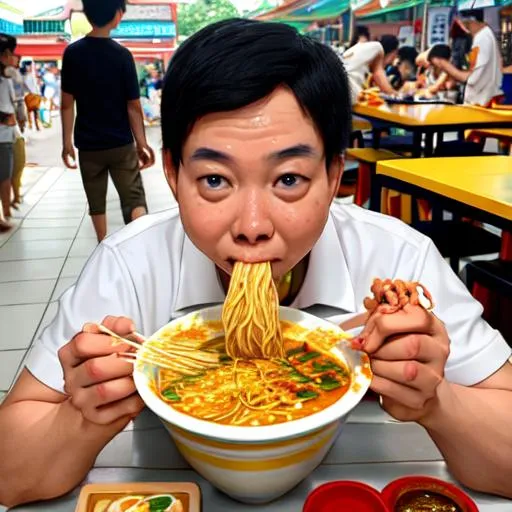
434,115
483,182
372,448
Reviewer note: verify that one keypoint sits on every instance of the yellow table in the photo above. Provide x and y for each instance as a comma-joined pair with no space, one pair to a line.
429,119
476,187
483,182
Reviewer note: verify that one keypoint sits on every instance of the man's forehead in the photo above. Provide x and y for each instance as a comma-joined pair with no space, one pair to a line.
277,120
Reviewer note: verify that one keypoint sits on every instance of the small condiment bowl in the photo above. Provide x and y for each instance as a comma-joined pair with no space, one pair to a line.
396,489
257,464
345,495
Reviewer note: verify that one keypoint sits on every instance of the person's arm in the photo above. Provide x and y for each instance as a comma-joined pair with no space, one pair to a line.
379,76
75,393
68,122
471,426
136,115
451,70
439,84
41,429
67,105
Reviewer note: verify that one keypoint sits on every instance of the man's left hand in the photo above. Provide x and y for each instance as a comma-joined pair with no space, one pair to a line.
146,156
408,351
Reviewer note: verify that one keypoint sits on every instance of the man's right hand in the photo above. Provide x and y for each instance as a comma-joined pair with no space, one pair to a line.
69,156
98,382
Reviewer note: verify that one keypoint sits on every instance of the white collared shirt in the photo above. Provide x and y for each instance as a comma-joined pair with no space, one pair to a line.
151,272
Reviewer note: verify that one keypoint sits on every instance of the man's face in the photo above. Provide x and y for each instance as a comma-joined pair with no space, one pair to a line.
6,57
253,185
390,57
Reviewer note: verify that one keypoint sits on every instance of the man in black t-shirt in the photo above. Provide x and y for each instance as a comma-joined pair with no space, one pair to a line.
100,76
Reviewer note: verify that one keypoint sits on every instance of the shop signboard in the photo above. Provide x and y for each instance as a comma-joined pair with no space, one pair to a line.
438,28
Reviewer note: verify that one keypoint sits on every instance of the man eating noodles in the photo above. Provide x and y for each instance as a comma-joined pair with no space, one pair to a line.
255,119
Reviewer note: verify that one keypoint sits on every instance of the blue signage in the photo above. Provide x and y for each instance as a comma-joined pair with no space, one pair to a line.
8,27
145,29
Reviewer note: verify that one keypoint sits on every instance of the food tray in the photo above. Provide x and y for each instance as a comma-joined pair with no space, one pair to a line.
413,101
187,492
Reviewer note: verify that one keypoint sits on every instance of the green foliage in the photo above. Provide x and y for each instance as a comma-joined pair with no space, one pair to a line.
193,17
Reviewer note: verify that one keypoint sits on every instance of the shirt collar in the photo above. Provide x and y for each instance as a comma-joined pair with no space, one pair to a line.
199,283
327,280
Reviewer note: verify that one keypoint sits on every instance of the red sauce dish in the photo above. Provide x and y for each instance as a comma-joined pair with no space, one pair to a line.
345,496
396,489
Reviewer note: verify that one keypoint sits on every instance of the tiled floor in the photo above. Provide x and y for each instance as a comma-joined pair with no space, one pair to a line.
43,256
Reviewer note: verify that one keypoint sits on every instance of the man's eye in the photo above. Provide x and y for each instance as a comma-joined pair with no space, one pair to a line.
290,180
214,181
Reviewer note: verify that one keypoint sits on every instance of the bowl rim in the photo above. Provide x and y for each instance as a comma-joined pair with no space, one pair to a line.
256,434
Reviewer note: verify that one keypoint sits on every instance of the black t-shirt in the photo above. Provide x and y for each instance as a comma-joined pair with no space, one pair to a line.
101,76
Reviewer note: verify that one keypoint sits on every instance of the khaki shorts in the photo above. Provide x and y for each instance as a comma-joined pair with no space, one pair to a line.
123,166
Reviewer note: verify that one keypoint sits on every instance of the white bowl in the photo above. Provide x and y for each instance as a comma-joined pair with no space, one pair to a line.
258,464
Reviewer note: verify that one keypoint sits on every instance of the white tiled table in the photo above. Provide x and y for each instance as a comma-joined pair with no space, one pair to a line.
372,448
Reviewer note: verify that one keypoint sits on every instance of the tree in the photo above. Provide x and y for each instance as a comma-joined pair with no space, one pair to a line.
194,16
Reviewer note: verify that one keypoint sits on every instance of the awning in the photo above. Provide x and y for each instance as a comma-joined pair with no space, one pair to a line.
41,48
321,10
375,8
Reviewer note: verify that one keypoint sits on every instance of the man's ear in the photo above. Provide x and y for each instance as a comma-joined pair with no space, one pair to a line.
117,19
334,174
171,173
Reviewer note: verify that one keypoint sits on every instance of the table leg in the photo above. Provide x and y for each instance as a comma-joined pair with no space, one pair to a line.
506,246
376,192
376,133
429,144
416,144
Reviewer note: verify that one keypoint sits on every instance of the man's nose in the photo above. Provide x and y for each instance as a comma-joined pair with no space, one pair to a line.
254,223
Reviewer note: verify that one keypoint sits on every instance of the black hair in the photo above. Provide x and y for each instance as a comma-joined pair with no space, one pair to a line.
102,12
7,42
389,43
440,51
234,63
408,53
360,30
478,14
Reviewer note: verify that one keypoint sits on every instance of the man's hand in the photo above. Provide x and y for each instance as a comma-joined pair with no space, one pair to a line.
69,156
146,156
99,383
408,351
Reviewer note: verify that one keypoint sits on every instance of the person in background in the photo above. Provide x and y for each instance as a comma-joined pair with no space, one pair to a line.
7,128
361,35
33,96
431,79
403,70
19,161
484,77
100,76
370,58
14,73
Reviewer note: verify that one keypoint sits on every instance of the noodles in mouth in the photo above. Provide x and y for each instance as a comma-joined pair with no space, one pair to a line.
251,313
